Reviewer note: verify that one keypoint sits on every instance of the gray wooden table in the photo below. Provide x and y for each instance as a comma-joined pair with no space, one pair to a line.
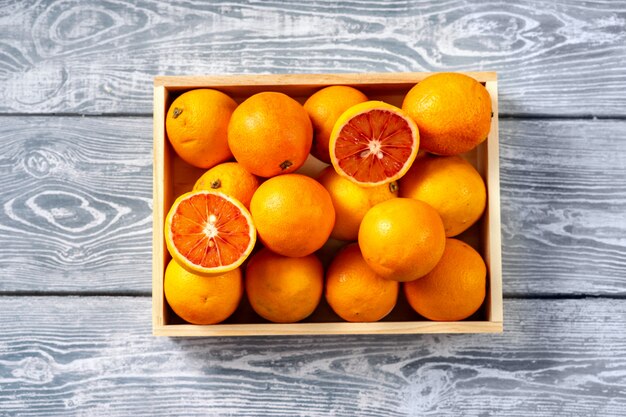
75,210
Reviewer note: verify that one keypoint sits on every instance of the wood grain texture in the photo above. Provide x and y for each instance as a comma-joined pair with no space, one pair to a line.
76,201
75,209
76,205
86,356
563,195
563,57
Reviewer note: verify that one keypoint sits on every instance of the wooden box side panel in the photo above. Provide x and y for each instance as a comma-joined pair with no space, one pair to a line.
161,199
289,82
276,329
493,245
383,86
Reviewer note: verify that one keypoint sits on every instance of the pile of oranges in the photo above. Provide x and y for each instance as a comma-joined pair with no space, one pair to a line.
395,194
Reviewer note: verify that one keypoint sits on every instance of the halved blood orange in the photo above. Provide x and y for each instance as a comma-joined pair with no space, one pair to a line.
209,233
373,143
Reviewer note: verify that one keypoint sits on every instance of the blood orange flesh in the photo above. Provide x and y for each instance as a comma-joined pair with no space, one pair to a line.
209,233
373,143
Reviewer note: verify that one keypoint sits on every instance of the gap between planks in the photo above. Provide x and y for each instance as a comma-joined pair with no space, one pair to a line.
564,296
148,294
507,116
129,294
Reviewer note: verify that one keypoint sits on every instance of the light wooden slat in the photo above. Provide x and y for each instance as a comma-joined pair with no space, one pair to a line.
492,224
314,81
96,357
562,184
161,196
342,328
563,57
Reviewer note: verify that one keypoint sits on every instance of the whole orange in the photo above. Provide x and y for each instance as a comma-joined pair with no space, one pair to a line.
402,239
197,125
451,185
452,111
324,108
352,201
269,134
283,289
231,179
355,292
455,289
293,214
202,300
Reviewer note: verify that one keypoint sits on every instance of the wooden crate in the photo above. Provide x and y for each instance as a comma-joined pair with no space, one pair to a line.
172,177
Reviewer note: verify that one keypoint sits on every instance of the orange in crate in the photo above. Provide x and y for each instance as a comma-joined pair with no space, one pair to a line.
390,88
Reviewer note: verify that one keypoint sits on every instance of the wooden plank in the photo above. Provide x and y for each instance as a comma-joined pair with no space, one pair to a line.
563,57
76,204
563,195
95,356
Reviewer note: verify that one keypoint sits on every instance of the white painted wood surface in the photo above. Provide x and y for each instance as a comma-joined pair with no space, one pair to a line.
564,57
563,194
76,197
556,357
75,209
76,205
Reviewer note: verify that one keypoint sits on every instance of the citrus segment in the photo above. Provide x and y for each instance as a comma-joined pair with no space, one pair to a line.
209,233
373,143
